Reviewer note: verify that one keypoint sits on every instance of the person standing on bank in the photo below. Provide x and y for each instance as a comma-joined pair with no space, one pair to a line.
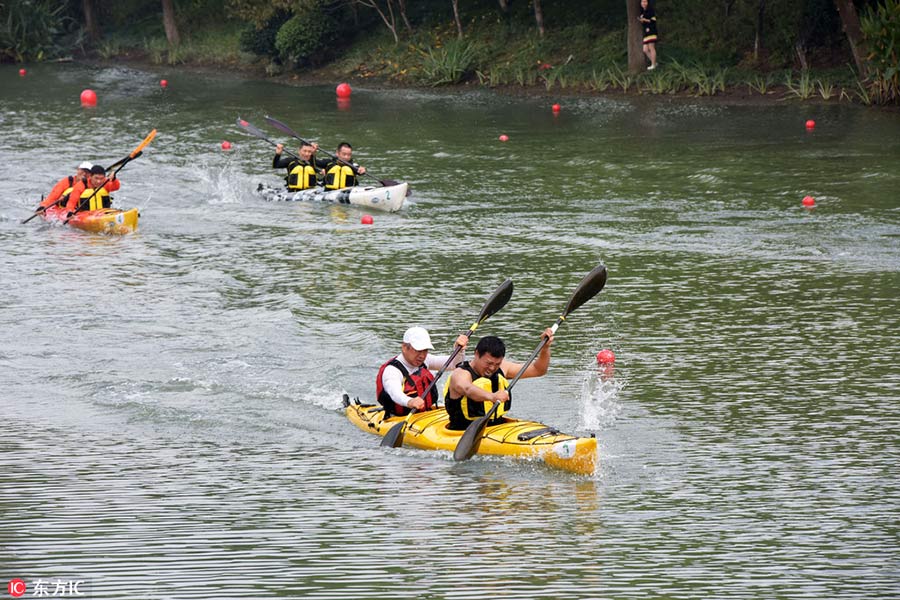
402,380
648,27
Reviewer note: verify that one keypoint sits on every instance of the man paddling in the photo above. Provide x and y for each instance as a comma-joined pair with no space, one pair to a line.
94,193
342,171
60,192
304,172
474,386
402,380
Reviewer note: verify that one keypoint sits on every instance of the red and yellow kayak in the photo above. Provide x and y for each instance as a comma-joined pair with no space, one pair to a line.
521,439
105,220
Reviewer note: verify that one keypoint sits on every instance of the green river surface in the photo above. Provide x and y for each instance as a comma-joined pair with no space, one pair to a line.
170,401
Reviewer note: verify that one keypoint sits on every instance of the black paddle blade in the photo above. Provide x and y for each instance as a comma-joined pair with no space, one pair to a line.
468,444
281,127
589,287
250,128
497,300
394,437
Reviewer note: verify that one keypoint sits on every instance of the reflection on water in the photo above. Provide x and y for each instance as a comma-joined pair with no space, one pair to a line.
171,398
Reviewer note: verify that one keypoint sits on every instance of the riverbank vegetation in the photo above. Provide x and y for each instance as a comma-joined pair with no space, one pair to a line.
834,50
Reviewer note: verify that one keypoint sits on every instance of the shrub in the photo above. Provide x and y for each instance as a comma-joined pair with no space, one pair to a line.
451,63
881,30
261,40
304,37
34,29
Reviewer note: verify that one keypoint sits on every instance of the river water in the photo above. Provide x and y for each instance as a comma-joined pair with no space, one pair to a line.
170,400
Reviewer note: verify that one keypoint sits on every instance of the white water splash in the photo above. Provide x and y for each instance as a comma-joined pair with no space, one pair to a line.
599,397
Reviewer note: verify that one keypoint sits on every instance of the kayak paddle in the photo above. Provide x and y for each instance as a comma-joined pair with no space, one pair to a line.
394,437
256,132
117,166
592,283
37,211
282,127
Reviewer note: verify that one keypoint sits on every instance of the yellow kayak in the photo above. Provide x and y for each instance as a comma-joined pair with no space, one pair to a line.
105,220
521,439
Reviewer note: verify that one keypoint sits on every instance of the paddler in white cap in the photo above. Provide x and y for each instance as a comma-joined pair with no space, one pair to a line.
402,381
60,192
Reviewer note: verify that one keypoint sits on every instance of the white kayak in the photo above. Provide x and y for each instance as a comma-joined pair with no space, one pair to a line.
389,198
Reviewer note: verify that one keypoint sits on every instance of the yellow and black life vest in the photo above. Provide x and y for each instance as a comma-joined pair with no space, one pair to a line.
99,200
463,411
338,175
302,176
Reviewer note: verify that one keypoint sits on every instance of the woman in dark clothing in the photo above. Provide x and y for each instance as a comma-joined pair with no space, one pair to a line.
648,25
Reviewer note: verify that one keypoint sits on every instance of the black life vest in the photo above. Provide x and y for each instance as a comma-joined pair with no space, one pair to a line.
463,411
413,385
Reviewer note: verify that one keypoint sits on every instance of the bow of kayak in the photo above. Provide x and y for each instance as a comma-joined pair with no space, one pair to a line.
520,439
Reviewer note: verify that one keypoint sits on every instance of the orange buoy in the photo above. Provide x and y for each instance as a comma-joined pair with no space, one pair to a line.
556,108
22,72
226,145
343,90
808,201
367,220
606,357
810,124
503,137
88,98
163,83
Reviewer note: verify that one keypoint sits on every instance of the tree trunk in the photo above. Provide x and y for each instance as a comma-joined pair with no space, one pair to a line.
459,28
757,43
504,5
169,23
403,15
539,16
635,54
90,20
850,21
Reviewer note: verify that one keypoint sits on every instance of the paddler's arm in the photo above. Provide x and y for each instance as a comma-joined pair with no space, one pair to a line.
75,195
461,385
435,362
280,161
538,367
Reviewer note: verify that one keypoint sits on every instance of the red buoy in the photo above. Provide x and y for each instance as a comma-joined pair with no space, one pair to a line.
163,83
503,137
343,90
367,220
556,108
226,145
810,124
88,98
606,357
809,201
22,72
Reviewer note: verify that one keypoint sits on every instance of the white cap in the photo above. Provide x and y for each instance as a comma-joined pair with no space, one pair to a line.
418,338
85,165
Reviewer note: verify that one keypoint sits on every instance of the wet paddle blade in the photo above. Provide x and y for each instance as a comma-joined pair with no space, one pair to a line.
497,300
589,287
471,437
394,437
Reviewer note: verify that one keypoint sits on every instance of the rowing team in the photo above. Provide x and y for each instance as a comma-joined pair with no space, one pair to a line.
88,189
474,385
306,171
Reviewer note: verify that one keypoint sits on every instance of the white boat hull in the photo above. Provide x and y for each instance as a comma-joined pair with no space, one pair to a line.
387,198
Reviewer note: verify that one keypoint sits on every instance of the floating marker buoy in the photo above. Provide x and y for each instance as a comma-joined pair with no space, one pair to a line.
503,137
88,98
163,83
367,220
226,145
606,357
343,90
809,201
22,72
556,108
810,124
